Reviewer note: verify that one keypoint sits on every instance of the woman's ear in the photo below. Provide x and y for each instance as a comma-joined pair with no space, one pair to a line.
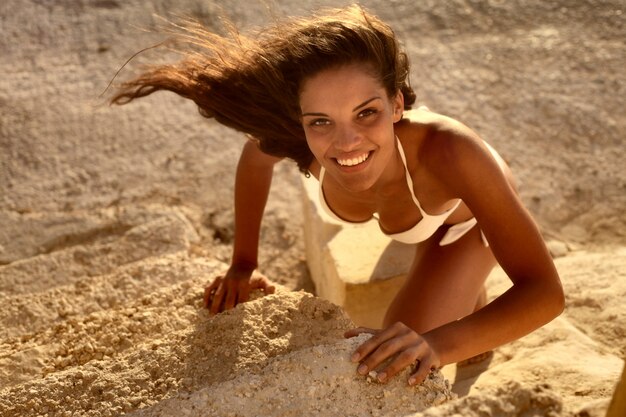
398,107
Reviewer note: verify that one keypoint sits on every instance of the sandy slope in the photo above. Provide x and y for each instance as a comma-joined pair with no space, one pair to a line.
112,219
116,342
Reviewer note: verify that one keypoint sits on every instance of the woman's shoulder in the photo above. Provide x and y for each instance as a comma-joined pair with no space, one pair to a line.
449,148
434,138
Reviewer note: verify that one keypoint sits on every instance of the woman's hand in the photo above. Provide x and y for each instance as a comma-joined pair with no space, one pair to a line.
398,341
234,287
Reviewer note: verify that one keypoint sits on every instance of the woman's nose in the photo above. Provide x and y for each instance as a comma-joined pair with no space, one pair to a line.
347,140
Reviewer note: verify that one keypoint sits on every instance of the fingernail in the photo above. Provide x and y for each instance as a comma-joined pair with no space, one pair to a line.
362,369
382,377
355,357
411,381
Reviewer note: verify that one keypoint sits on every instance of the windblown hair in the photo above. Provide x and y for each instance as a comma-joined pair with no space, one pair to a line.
252,83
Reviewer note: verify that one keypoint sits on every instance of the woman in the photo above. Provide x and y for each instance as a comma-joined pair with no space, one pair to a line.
331,92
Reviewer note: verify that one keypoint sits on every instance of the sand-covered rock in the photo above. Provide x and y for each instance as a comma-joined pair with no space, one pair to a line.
95,252
511,399
122,359
595,301
315,381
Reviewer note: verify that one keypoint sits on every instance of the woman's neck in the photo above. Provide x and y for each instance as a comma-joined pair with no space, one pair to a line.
392,178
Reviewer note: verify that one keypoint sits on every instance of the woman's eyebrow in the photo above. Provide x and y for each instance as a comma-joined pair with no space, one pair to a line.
314,114
365,103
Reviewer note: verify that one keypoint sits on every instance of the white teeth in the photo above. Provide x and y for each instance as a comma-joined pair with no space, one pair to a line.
353,161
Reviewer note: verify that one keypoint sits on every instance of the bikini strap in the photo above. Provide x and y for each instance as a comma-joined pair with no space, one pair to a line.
409,180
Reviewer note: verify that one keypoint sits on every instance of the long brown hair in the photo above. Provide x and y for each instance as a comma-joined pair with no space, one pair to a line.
252,83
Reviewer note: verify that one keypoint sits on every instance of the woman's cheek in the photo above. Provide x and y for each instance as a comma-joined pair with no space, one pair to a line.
317,141
310,141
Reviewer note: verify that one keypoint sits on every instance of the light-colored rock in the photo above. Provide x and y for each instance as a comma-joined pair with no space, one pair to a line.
557,248
170,232
314,381
157,346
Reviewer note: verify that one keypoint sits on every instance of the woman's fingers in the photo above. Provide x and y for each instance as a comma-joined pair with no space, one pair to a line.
218,299
243,292
406,357
208,291
423,367
262,283
225,292
369,346
395,346
206,297
231,295
268,288
400,346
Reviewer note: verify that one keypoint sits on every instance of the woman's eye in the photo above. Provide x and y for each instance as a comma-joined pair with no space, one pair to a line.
319,122
367,112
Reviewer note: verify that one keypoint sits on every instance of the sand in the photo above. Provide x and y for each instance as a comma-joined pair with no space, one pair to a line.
319,380
113,219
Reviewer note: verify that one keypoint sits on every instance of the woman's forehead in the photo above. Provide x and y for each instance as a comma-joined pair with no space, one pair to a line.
347,84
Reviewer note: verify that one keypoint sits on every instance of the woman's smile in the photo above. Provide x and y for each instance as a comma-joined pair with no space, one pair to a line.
354,160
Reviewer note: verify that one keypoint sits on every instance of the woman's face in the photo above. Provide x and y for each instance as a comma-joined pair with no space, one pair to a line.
348,120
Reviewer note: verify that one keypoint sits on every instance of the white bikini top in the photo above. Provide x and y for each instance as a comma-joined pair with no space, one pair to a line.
424,229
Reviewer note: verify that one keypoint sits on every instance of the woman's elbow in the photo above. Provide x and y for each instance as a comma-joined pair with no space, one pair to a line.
556,299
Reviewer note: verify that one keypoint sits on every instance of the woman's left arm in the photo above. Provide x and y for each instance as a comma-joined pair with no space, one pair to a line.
467,169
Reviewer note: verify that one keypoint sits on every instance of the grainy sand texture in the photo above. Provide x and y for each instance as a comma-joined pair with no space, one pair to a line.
113,219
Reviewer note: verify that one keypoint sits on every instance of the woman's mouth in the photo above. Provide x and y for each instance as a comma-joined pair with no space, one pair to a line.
350,162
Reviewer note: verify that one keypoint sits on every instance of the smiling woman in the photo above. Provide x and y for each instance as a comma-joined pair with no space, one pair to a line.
350,134
330,92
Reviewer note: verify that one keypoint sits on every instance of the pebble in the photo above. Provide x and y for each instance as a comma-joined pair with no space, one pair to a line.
557,248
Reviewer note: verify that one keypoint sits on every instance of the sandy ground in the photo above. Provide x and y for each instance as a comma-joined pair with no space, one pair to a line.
113,219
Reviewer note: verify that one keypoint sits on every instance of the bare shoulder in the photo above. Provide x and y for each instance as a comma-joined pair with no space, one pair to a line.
448,140
442,139
450,150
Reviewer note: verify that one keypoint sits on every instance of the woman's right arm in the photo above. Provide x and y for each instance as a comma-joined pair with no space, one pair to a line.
252,186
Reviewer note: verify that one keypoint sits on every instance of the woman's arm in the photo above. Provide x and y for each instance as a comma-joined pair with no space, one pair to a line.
466,169
252,185
536,296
